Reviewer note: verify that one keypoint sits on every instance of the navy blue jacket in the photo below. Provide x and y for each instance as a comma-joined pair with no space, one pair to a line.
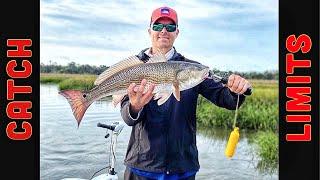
163,138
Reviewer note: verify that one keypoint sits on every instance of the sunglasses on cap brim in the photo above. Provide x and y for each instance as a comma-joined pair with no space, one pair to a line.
159,27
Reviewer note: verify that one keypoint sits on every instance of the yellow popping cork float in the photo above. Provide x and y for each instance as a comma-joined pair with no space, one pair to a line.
232,143
234,137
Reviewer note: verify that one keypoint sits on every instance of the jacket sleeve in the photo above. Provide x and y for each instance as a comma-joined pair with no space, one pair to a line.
129,117
219,95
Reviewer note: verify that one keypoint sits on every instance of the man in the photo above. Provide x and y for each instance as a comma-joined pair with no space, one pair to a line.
163,138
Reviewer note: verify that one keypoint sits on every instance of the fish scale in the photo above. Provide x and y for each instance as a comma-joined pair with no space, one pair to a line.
156,73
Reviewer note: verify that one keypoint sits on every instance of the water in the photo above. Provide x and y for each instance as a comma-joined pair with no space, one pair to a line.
69,151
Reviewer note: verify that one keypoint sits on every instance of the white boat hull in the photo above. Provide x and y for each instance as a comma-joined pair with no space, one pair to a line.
100,177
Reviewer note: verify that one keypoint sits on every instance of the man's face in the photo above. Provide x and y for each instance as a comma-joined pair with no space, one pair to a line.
163,39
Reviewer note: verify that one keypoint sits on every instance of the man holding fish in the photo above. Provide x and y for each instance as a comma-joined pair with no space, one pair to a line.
163,138
158,91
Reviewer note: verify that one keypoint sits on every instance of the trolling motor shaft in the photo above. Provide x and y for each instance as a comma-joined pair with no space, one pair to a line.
116,128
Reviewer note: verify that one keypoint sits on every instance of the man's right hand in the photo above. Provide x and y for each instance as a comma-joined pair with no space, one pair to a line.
137,98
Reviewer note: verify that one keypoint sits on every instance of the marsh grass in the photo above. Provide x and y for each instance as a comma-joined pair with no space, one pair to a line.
69,81
267,148
77,83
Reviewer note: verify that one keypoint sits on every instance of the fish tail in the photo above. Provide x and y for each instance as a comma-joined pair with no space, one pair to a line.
78,102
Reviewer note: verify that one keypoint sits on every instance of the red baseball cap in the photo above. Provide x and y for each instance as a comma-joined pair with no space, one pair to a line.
164,12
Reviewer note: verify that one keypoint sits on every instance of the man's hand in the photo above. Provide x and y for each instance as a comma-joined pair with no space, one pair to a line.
137,98
237,84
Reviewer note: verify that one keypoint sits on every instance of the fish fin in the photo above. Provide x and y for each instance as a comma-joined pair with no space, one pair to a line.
164,97
158,57
78,103
116,99
176,90
124,64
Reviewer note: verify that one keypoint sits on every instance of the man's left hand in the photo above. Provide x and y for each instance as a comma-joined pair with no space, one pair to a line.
237,84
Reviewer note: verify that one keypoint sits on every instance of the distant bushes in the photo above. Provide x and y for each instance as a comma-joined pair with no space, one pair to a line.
72,68
268,75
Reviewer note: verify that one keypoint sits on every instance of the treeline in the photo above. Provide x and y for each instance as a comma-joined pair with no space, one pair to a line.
73,68
269,75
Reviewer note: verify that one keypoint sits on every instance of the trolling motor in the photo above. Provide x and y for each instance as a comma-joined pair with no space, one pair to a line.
116,128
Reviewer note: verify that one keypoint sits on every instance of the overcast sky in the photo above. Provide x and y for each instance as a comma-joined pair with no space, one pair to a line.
236,35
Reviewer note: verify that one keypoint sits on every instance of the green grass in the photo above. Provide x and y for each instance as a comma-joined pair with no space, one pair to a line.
53,78
266,145
69,81
77,83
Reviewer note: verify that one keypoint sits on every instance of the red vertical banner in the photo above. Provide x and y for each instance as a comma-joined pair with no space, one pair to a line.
20,89
299,90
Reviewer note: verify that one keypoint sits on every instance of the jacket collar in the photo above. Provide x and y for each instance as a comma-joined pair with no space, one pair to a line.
144,57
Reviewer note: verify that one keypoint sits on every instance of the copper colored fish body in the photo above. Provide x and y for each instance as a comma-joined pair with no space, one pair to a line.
169,77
